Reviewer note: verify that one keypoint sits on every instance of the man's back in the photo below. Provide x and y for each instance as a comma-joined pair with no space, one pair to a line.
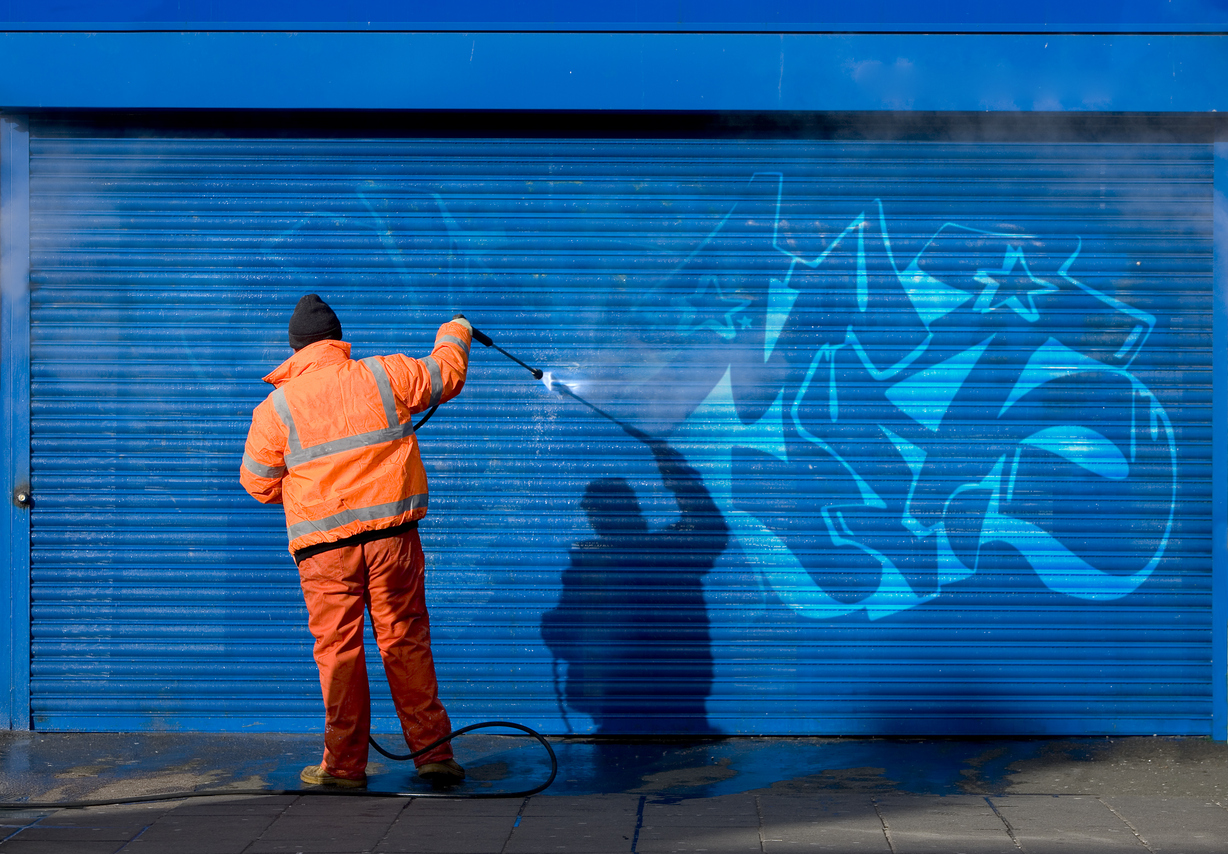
334,441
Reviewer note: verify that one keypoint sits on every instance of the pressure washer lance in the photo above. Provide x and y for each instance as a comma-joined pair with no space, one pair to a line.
486,340
551,384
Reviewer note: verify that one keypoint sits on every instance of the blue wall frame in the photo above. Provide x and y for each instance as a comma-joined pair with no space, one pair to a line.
15,424
613,71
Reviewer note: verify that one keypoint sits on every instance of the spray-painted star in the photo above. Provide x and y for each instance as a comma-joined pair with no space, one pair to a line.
1016,291
709,308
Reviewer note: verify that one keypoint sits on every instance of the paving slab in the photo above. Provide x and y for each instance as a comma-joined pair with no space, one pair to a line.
596,834
828,823
24,846
436,834
458,812
112,814
338,839
13,827
823,806
82,832
721,811
716,840
68,820
567,805
329,825
86,830
235,805
201,834
1066,824
20,818
347,807
1175,825
956,824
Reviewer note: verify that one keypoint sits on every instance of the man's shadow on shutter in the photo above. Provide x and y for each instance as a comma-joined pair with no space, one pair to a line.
631,623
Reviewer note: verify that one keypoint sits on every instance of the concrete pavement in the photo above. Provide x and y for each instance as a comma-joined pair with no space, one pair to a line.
735,795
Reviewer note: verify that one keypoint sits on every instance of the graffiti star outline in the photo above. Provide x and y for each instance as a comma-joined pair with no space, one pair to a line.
985,302
716,310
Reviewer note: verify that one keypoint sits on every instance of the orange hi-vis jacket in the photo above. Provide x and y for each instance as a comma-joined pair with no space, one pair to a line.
334,442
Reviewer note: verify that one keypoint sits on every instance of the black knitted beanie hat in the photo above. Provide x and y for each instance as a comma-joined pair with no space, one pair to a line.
313,321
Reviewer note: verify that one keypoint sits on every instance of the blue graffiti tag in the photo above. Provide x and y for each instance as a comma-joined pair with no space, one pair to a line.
939,415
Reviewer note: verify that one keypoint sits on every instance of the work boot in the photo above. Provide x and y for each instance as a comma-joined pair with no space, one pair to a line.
446,773
317,776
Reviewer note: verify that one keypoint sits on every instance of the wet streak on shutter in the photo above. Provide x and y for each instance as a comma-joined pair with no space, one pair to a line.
934,425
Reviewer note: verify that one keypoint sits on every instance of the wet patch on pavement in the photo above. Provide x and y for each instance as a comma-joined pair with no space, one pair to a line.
60,767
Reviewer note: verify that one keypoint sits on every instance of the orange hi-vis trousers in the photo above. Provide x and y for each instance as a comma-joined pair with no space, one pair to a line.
385,577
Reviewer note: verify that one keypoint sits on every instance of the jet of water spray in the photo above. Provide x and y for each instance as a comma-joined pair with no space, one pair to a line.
552,384
565,389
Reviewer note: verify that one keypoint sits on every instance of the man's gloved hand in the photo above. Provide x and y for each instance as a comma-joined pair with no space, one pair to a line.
460,318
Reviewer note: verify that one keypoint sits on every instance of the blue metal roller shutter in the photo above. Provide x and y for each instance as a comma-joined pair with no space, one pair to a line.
951,401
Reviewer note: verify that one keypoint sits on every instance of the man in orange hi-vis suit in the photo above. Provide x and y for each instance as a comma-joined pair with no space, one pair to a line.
334,443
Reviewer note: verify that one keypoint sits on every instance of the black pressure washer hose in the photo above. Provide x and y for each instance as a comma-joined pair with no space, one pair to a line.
487,341
554,760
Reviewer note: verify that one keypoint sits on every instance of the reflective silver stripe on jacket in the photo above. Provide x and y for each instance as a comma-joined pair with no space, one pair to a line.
297,454
259,469
452,339
376,367
282,408
349,443
436,380
362,514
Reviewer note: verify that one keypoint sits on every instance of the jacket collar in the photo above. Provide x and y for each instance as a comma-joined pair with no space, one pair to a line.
321,354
